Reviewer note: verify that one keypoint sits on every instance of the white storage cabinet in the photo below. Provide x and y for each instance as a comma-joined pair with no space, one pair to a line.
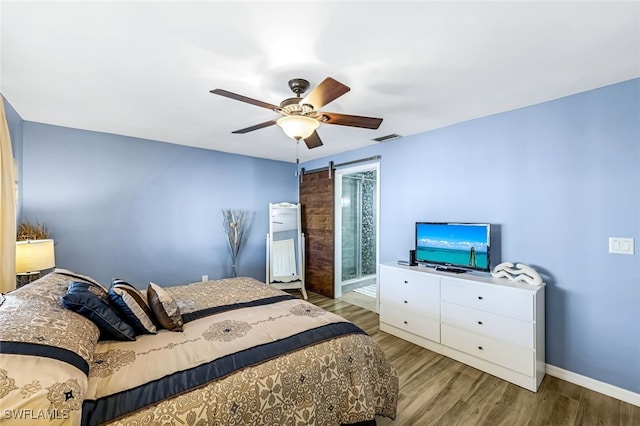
492,324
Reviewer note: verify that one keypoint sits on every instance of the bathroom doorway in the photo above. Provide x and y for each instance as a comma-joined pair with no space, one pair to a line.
356,234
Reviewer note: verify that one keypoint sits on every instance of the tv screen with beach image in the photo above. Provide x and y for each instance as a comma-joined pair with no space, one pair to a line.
463,245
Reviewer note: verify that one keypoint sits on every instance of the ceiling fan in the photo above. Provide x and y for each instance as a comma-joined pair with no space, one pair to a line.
301,116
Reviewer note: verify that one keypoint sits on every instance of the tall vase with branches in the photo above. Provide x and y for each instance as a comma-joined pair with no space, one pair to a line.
234,223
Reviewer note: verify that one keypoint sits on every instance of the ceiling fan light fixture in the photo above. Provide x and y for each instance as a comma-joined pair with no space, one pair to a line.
298,126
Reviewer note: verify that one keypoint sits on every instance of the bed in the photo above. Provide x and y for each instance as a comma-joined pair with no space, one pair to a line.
248,354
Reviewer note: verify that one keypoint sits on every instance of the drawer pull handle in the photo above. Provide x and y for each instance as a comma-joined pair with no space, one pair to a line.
405,322
406,282
480,347
406,301
479,322
479,297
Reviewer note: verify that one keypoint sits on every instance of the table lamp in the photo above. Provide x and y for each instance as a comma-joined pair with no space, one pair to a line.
32,257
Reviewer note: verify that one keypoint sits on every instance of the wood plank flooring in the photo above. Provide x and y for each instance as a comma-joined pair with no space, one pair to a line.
359,300
436,390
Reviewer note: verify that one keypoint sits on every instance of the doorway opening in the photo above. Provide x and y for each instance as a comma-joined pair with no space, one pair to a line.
356,233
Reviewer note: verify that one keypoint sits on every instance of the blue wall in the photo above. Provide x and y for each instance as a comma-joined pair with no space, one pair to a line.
144,210
559,178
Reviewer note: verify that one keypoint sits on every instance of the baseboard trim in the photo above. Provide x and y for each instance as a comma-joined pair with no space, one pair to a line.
595,385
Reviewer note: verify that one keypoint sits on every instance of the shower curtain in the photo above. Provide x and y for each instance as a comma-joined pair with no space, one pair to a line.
7,208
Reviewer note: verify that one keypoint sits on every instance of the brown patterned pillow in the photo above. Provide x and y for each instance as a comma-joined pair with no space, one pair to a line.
164,307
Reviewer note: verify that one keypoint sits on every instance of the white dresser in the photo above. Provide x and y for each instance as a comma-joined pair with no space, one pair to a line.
492,324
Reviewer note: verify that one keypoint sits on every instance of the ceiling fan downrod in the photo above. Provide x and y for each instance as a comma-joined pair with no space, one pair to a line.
298,86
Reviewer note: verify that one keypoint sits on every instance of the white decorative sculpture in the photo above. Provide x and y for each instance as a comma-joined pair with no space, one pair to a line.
517,272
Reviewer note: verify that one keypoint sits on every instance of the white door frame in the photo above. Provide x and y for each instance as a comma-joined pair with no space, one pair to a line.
338,222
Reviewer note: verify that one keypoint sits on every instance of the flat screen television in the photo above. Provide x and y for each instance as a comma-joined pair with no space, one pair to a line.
457,246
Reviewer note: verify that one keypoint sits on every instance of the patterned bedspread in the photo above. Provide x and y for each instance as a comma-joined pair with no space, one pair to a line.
249,354
45,353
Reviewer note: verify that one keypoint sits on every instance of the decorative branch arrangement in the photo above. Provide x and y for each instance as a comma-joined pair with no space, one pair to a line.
31,231
234,223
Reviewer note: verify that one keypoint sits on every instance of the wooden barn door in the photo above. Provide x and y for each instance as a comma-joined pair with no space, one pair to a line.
317,199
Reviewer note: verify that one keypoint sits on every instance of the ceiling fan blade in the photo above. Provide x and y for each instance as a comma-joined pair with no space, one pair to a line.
325,92
256,127
352,120
313,141
241,98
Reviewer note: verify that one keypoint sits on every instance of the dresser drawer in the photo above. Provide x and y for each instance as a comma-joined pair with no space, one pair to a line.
428,328
415,283
512,357
514,304
410,303
498,327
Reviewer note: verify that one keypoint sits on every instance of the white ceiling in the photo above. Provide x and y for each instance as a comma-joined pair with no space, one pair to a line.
144,69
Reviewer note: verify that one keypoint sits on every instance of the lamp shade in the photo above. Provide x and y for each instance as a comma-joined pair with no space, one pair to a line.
34,256
298,126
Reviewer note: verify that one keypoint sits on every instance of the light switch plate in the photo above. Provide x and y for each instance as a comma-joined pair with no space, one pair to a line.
618,245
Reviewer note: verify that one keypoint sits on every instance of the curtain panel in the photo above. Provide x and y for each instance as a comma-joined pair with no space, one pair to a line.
7,208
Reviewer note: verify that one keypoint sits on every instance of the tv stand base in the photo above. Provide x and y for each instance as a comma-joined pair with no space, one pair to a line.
450,269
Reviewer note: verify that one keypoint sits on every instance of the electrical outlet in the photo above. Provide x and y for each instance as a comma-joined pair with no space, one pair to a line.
620,245
205,278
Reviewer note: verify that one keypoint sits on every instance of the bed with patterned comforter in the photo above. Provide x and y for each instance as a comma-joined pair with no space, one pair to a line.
248,354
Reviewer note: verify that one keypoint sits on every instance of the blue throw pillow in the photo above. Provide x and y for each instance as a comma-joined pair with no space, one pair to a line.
91,302
132,306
